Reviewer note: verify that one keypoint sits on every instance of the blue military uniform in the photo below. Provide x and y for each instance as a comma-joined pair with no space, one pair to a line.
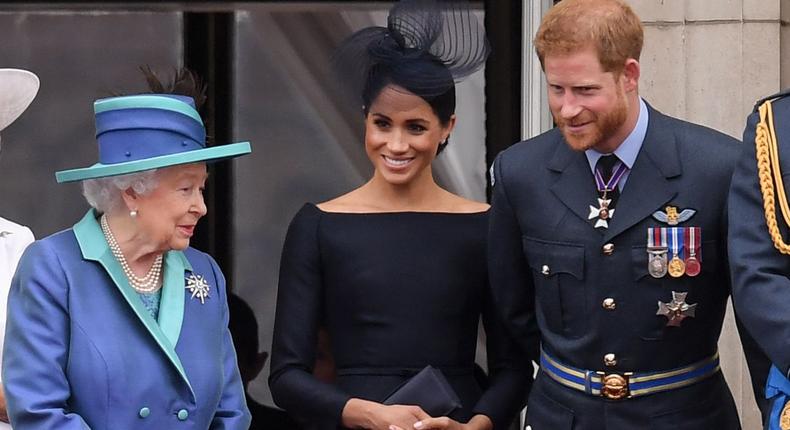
758,252
621,344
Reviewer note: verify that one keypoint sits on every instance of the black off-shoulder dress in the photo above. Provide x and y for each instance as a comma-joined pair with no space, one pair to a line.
396,292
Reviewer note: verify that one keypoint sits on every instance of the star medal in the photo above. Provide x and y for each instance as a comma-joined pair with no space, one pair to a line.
657,252
676,266
197,285
602,212
693,241
677,310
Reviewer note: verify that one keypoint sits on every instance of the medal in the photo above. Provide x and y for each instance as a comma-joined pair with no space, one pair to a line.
693,241
657,252
603,212
676,265
677,310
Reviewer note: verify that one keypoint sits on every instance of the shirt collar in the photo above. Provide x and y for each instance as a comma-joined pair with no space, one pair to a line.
629,149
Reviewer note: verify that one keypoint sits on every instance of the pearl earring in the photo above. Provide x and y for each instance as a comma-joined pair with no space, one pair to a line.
133,213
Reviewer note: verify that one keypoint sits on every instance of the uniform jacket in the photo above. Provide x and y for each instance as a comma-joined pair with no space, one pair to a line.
551,272
760,273
82,351
14,238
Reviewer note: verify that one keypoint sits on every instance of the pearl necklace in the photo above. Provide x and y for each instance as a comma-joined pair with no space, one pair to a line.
148,283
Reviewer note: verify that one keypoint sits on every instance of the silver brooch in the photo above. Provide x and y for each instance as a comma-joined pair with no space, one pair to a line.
197,285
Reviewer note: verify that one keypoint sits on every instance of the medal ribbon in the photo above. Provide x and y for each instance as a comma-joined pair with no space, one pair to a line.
677,242
619,170
656,237
693,239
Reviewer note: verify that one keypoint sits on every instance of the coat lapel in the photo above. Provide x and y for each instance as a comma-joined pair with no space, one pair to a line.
648,186
171,310
575,186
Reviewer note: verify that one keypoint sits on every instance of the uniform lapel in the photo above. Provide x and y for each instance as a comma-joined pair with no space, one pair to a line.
648,187
575,186
171,313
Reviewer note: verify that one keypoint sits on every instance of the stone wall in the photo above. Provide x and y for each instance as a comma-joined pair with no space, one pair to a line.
708,62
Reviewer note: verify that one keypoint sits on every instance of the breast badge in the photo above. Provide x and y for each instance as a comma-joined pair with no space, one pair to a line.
672,217
677,310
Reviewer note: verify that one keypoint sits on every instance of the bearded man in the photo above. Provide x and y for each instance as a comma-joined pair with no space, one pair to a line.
608,241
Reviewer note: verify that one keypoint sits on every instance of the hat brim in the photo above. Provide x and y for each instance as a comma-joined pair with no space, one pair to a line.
18,88
98,170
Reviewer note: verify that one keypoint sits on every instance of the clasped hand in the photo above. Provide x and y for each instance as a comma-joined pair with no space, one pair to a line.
375,416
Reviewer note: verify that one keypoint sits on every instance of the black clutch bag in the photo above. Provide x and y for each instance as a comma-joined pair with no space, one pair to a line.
429,390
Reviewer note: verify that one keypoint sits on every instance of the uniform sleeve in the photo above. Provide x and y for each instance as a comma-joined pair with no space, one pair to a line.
512,287
297,320
232,412
760,274
35,354
509,372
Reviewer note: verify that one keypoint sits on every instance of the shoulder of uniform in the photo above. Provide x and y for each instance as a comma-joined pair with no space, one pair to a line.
529,148
781,94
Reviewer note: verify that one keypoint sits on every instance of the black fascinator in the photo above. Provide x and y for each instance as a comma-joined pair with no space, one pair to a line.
427,46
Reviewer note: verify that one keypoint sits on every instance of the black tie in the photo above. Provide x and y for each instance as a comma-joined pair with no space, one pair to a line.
606,164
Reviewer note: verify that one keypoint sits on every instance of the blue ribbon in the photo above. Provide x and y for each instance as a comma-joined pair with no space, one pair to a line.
778,389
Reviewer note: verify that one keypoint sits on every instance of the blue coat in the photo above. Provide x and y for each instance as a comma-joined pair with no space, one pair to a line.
82,351
760,274
586,295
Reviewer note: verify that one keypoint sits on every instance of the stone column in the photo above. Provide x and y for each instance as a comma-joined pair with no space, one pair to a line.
708,62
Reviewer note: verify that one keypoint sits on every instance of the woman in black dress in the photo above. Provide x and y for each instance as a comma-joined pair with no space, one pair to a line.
395,270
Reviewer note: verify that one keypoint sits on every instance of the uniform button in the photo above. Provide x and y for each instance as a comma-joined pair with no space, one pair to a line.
144,412
609,304
545,270
183,414
608,249
610,360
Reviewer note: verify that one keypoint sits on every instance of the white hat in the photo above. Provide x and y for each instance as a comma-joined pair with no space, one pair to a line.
18,88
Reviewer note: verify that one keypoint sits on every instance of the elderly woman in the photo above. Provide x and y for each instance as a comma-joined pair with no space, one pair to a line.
18,88
117,323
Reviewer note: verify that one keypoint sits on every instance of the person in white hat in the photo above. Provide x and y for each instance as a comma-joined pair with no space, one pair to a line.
17,90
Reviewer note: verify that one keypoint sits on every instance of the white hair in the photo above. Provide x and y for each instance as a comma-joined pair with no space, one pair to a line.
104,194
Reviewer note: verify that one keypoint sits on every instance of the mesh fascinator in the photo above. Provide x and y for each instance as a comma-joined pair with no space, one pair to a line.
426,47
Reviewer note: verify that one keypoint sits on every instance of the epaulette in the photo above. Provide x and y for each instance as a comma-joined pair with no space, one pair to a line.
780,94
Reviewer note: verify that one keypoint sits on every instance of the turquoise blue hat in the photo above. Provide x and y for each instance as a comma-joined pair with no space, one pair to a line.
149,131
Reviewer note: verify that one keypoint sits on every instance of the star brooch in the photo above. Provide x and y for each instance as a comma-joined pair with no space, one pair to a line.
197,285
